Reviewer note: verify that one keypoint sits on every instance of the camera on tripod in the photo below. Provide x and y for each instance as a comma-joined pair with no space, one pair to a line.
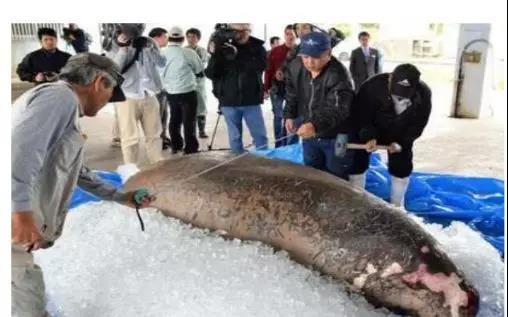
222,42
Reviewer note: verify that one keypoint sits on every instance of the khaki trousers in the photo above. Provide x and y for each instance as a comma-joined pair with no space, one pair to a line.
116,128
146,111
27,285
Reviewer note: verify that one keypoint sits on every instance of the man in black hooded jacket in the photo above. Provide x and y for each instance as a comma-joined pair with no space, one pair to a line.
390,109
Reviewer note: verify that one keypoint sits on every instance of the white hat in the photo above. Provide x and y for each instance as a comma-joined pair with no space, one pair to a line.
176,33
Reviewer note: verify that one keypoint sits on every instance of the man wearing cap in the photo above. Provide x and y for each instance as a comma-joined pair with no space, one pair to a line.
292,67
179,81
390,109
138,58
47,164
321,94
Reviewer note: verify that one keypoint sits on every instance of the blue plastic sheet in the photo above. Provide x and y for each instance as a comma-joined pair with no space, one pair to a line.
438,198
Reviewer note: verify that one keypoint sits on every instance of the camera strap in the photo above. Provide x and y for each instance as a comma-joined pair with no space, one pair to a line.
134,59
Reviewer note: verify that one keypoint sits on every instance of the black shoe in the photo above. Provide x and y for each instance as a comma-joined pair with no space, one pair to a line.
174,151
203,135
166,143
186,152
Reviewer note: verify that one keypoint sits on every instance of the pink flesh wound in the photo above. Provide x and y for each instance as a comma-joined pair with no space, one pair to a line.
439,282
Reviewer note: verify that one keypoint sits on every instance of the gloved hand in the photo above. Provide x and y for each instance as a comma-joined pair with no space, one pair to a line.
141,198
394,148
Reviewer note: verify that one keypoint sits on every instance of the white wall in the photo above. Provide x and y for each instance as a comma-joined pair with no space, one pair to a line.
476,88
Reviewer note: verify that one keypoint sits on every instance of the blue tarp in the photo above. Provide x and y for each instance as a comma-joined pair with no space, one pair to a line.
438,198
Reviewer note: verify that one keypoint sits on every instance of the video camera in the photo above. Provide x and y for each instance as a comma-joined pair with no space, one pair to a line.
67,32
132,31
336,35
222,41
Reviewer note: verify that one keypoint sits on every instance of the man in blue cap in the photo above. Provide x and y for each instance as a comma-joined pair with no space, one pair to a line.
321,94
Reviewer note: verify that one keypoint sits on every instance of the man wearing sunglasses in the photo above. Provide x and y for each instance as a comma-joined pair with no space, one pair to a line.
47,164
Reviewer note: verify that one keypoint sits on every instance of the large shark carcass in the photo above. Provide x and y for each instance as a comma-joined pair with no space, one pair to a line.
321,221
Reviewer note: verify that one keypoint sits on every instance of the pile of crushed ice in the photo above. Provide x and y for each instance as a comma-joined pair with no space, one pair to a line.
104,265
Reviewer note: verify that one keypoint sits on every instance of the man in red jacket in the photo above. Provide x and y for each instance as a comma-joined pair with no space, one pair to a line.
274,81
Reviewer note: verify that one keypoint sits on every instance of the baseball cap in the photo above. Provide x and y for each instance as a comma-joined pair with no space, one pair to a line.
405,78
104,63
176,33
314,44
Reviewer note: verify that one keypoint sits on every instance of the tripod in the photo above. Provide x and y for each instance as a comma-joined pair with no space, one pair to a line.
210,146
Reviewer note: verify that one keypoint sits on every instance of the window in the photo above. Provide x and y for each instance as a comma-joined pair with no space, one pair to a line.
28,31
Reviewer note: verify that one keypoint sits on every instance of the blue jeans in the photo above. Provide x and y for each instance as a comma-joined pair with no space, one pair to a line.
294,138
254,120
278,119
320,154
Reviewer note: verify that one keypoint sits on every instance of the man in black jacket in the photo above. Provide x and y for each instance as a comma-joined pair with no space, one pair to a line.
44,64
364,61
77,37
238,85
321,94
390,109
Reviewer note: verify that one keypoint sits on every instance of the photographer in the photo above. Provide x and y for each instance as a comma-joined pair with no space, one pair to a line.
235,68
138,58
79,39
44,64
321,94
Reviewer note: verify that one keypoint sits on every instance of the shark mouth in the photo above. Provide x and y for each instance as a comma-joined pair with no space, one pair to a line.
450,285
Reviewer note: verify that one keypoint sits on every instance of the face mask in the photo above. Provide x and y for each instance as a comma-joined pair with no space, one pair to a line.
400,104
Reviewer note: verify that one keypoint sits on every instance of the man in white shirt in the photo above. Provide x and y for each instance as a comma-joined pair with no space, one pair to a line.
179,75
193,36
160,36
138,58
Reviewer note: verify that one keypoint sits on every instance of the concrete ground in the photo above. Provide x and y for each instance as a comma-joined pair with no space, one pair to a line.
458,146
